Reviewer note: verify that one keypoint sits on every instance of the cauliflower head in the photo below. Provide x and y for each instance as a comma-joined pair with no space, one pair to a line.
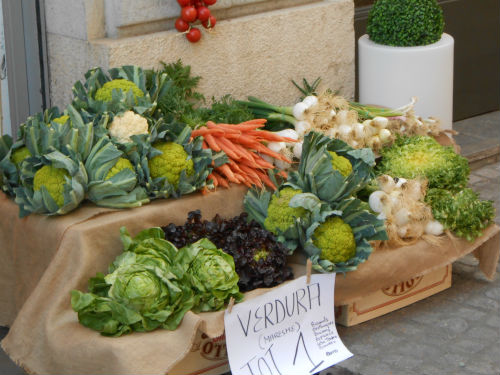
19,155
104,93
170,164
120,165
61,120
53,179
341,164
127,125
280,216
335,239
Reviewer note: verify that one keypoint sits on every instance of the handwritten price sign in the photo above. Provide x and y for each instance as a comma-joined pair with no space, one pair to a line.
290,330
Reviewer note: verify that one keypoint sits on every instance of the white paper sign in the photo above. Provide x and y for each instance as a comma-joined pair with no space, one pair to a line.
289,330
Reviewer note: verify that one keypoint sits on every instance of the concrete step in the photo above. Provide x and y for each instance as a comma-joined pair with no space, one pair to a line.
481,158
479,139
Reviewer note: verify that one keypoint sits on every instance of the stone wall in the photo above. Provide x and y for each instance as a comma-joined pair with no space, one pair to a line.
257,47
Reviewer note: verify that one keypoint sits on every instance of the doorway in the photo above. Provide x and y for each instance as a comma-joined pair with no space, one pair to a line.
24,84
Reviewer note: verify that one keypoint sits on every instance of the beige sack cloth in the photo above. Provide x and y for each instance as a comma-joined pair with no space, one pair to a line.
44,258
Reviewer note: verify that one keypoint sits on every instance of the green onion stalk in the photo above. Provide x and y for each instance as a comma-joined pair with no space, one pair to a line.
282,116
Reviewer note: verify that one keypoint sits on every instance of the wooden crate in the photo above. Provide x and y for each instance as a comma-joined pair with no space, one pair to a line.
395,297
207,357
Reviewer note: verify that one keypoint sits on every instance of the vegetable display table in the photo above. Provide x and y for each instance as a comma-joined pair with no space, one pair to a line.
44,258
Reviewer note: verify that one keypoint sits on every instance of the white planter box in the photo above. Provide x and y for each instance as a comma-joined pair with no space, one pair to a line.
390,76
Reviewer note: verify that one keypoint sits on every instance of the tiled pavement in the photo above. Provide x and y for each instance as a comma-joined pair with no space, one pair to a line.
454,332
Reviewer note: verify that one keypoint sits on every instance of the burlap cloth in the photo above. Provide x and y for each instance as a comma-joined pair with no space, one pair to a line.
44,258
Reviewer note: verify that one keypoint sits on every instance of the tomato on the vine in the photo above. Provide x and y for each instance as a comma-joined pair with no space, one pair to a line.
189,13
209,2
181,25
209,23
184,3
203,14
193,35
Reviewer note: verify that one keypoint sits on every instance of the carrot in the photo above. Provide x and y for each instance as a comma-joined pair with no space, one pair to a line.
212,142
254,121
229,129
235,167
270,136
204,131
226,171
214,179
239,127
245,153
221,180
262,163
283,174
265,178
244,180
228,148
239,177
204,145
255,180
249,171
249,163
247,141
263,149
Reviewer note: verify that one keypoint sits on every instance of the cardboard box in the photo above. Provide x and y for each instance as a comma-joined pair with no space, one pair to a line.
395,297
207,357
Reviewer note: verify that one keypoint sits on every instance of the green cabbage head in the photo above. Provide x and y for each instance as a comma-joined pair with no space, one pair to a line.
139,287
212,275
143,290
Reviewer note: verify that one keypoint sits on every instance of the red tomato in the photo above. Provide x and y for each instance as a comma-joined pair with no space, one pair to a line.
209,23
189,13
203,14
181,25
198,4
193,35
184,3
209,2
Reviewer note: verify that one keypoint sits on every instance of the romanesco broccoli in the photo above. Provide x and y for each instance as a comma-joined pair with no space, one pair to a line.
120,165
170,163
280,216
19,155
341,164
61,120
335,239
53,179
104,93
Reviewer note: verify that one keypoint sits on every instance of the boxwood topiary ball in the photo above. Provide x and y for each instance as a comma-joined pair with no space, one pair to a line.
405,23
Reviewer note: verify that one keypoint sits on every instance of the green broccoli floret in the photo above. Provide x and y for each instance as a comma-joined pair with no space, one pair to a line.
170,163
335,239
61,120
19,155
280,216
104,93
54,180
462,212
120,165
422,156
341,164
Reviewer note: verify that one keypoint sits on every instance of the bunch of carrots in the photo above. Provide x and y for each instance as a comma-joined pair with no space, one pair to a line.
242,143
